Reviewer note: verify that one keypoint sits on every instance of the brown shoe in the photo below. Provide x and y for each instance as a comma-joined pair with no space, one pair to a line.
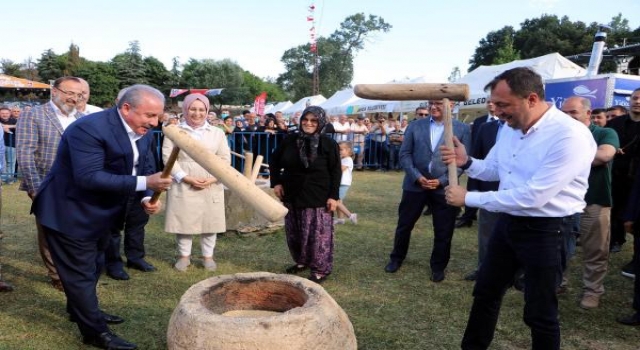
590,301
57,284
5,287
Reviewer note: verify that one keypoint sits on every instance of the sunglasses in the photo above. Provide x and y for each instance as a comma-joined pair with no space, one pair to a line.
423,114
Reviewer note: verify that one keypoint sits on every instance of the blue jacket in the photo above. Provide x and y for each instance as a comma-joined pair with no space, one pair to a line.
416,154
90,181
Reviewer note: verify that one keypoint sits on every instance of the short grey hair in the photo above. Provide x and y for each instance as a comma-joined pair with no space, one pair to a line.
133,95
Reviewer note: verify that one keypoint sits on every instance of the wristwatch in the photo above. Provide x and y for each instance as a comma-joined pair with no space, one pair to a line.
466,165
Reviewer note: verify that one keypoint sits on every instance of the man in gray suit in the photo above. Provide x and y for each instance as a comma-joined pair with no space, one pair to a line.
38,133
426,176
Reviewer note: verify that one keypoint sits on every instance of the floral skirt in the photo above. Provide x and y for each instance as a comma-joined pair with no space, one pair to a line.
309,234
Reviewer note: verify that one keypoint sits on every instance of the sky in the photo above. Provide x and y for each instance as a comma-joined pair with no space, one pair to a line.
427,39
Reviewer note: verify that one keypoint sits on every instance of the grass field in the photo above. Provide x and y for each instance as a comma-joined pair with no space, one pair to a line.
401,311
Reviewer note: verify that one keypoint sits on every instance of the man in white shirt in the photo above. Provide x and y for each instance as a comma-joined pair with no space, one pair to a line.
82,106
342,129
542,162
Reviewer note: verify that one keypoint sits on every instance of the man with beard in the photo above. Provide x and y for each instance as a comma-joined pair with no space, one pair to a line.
38,133
542,160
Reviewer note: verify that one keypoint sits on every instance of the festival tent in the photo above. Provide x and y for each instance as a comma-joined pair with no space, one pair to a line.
338,102
280,106
302,104
551,66
266,109
9,82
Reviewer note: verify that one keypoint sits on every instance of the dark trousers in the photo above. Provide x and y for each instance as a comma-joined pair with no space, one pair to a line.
79,262
537,246
636,261
134,222
444,217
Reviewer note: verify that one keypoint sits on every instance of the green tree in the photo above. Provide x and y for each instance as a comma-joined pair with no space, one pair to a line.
255,86
102,80
50,66
129,66
212,74
11,68
157,75
497,47
335,57
547,34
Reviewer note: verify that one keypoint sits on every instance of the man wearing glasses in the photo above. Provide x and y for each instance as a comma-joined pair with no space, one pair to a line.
38,133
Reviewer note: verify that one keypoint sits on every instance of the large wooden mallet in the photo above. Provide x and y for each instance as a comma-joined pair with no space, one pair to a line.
251,194
412,92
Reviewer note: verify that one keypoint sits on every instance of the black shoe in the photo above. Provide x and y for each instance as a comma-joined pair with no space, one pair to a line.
108,340
427,212
110,319
141,265
317,279
463,222
472,276
295,269
615,248
437,276
118,275
628,270
392,266
633,320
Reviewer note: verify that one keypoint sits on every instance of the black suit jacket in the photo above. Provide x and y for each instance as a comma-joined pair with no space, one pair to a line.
484,141
472,184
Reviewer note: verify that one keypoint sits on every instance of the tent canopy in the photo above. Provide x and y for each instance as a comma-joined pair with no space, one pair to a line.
551,66
280,106
338,102
302,104
9,82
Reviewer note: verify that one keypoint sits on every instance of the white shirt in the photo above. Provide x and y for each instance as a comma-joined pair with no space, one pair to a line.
342,131
543,173
347,174
88,109
65,120
141,181
358,132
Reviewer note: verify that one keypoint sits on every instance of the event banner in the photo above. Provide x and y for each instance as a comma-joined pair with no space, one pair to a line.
258,104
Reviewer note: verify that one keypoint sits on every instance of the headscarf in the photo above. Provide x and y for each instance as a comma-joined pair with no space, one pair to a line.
192,98
308,143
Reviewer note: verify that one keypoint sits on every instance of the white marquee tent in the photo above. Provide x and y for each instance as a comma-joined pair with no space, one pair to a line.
338,102
280,106
300,105
551,66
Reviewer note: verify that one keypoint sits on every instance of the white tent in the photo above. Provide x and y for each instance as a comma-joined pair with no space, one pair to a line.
551,66
280,106
266,108
302,104
338,102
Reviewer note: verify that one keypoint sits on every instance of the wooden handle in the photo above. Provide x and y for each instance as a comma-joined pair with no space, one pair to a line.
248,164
256,168
166,172
412,92
452,169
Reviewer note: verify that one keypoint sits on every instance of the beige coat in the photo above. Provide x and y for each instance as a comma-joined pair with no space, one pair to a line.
192,211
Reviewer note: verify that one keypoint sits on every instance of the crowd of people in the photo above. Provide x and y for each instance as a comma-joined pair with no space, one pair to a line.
91,173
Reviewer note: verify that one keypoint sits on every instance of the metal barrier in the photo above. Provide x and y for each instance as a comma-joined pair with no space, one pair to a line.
368,154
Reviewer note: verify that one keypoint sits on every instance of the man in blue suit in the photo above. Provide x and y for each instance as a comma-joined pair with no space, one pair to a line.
102,159
425,178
